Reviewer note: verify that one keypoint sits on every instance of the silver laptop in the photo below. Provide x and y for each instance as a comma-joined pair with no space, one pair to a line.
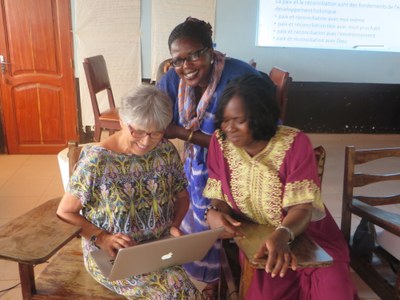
156,255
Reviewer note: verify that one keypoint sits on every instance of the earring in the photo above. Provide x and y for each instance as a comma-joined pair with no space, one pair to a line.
212,61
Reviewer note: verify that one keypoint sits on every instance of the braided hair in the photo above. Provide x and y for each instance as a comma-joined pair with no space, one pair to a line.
192,28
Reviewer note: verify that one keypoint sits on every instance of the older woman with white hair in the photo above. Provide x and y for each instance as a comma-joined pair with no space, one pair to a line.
131,188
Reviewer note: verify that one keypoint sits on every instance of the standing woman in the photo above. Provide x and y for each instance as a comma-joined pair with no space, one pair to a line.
194,84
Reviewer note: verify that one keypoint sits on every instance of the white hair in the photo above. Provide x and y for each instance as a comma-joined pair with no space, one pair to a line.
146,106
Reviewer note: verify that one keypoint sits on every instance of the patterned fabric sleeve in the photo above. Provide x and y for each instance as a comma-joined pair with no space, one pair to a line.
177,172
213,188
301,177
169,83
82,179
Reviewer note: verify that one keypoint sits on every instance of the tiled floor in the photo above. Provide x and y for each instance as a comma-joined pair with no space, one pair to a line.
28,180
25,182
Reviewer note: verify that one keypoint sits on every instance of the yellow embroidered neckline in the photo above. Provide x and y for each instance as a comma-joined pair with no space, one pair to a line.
255,182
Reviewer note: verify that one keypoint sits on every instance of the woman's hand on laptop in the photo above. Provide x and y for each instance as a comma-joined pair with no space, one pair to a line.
216,219
218,214
175,231
113,242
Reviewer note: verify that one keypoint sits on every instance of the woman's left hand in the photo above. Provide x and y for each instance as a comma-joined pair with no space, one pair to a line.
279,256
111,243
175,231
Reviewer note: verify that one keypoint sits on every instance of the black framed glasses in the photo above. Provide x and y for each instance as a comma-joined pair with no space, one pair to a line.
139,134
178,62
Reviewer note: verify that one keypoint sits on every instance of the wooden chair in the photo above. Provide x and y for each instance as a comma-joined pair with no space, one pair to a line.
282,81
359,200
163,68
234,280
98,81
39,236
320,156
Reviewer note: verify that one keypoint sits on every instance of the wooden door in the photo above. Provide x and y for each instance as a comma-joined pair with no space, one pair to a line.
37,78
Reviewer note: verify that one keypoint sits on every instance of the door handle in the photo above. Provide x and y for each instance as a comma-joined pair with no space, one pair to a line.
3,64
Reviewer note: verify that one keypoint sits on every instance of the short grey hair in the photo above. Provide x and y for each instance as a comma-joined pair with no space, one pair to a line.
146,106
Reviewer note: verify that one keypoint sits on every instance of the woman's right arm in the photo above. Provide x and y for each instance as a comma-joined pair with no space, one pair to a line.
197,137
218,214
69,211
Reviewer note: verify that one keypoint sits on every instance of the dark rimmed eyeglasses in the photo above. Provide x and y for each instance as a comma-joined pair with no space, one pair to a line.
178,62
139,134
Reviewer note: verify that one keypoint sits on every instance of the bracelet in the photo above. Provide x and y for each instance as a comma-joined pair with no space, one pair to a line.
288,230
190,136
208,209
95,236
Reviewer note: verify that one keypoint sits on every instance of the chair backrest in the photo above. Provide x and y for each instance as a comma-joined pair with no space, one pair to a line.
320,156
371,182
74,150
361,203
98,81
282,80
163,68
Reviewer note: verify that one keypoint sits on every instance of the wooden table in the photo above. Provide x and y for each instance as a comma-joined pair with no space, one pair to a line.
19,240
34,238
308,253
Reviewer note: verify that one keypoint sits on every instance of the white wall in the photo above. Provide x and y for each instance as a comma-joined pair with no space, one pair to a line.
145,22
235,35
236,22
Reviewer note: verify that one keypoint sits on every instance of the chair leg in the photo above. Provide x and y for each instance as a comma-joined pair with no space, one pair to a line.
245,278
27,278
97,133
228,288
346,222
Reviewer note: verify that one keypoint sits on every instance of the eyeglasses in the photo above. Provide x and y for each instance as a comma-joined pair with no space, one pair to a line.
139,134
194,56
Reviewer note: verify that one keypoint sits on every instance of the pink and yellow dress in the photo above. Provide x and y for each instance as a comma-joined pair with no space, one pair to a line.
261,188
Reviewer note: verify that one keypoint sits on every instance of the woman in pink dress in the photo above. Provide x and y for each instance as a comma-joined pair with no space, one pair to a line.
267,173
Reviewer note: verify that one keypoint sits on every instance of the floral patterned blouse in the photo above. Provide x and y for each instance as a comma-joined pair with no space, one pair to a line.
133,195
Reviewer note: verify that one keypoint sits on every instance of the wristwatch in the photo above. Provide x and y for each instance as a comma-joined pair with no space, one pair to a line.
94,237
